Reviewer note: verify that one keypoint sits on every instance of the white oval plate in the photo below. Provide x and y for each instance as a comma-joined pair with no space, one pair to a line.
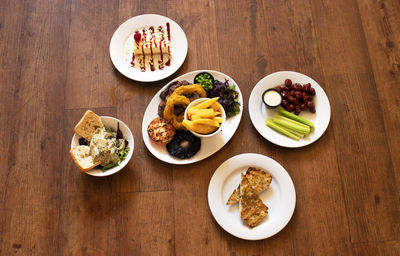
111,122
121,47
208,145
280,197
259,112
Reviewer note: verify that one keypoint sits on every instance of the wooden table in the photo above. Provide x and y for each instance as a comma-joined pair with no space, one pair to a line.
55,64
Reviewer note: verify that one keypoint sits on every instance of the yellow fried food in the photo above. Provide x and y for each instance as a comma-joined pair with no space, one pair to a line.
205,117
215,106
206,113
217,118
169,111
206,121
199,128
206,104
180,97
190,89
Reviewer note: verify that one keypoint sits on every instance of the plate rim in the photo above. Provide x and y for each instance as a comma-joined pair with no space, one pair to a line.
187,161
294,144
211,201
132,76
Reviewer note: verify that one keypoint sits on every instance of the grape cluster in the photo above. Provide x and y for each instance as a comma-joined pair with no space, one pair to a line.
297,97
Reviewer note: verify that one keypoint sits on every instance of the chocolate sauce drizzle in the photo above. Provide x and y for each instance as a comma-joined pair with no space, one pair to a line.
142,60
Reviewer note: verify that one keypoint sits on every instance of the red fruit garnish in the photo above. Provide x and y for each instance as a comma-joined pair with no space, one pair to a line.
137,36
288,82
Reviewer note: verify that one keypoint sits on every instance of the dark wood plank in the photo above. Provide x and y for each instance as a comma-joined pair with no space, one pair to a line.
30,194
142,223
370,191
90,80
380,24
387,248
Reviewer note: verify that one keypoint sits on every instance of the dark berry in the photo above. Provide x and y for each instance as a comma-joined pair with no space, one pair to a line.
297,110
288,82
137,36
298,95
83,142
292,99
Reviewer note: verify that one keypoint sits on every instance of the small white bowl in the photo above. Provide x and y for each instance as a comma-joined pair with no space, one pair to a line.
223,116
111,123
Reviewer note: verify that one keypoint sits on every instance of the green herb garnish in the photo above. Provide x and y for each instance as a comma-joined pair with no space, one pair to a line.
122,155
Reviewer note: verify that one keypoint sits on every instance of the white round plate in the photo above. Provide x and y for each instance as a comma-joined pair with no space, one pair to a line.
121,47
208,145
111,123
259,112
280,197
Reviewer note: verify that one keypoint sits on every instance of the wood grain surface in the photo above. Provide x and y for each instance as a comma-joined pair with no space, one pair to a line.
55,64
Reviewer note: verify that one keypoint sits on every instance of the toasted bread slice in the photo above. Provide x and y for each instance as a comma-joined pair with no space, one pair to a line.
82,158
252,208
87,126
258,180
235,197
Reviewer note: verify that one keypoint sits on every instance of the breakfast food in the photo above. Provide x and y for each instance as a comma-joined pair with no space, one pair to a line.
204,118
82,158
149,47
88,125
184,145
251,207
161,131
101,146
297,97
258,180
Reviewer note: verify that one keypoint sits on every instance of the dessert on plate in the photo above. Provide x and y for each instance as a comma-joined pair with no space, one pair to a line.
152,46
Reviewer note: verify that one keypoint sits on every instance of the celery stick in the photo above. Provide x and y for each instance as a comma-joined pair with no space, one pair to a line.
292,126
294,117
279,129
279,116
300,135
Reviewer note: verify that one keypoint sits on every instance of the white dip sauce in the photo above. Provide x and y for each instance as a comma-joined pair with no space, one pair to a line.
272,98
